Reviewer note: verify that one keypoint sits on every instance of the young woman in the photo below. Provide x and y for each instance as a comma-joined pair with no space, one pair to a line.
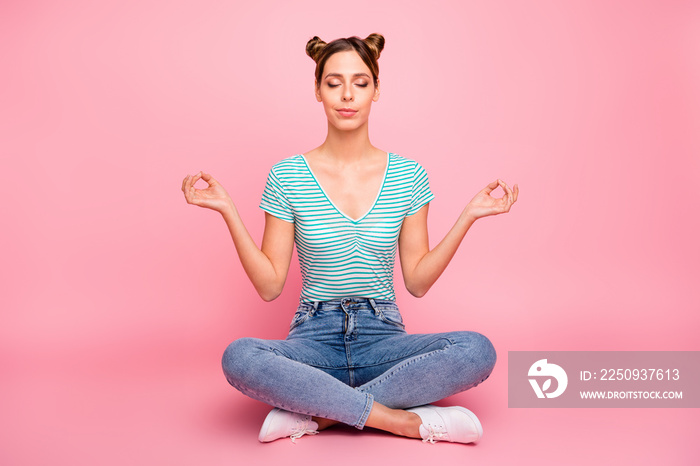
348,206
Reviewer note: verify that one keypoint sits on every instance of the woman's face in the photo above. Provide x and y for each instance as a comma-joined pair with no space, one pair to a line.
347,90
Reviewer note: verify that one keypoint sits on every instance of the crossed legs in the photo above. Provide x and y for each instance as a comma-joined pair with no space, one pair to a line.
303,376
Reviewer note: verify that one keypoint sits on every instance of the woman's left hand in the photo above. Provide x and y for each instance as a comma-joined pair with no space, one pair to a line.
484,204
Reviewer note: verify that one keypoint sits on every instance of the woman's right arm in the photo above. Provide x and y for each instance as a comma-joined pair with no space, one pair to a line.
266,266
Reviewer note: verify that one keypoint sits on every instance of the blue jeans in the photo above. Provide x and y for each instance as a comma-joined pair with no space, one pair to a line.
340,356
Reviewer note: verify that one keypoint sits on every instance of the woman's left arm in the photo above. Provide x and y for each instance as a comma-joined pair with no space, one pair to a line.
421,267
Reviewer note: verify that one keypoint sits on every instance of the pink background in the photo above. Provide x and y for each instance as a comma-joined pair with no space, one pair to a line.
119,298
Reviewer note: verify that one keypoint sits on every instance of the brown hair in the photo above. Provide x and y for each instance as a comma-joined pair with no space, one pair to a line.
368,49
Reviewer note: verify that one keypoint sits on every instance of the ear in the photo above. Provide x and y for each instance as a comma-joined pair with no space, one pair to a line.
376,92
317,91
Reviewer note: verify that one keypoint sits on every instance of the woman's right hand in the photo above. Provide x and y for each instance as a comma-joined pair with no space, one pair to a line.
266,266
212,197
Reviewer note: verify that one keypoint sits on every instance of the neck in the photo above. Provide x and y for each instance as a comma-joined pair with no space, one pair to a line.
347,145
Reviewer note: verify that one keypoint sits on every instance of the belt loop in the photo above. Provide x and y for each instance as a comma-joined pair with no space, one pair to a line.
374,306
316,303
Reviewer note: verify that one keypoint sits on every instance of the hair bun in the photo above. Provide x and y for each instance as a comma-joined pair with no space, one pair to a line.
375,42
314,47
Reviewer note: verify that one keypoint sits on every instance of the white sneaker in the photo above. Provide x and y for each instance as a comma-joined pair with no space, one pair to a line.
453,424
280,423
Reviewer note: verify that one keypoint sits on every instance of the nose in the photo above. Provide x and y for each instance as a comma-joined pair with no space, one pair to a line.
347,94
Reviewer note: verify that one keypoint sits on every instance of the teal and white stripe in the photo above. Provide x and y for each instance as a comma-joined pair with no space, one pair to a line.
339,256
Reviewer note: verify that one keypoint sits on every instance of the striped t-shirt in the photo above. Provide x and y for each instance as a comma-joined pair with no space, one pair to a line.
341,257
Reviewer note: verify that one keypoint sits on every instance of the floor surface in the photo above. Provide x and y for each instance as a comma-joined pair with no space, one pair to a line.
109,411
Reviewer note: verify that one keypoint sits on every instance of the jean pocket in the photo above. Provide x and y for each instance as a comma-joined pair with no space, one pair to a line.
392,316
299,318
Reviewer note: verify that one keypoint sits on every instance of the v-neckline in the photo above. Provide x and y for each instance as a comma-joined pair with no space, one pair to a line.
325,194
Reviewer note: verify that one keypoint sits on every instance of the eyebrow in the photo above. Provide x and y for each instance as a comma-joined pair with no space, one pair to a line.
356,75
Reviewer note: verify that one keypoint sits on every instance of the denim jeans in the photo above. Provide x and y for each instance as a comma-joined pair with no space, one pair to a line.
340,356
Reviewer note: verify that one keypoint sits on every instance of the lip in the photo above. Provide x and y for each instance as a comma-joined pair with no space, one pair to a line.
346,112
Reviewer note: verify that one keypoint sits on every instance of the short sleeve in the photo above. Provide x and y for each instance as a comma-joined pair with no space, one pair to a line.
274,200
420,190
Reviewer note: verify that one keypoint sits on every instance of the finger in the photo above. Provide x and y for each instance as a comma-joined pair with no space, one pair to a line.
516,191
505,187
185,183
187,189
209,179
490,187
196,177
191,190
185,186
511,197
506,196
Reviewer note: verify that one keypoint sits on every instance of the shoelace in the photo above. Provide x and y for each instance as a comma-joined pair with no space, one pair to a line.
302,428
435,433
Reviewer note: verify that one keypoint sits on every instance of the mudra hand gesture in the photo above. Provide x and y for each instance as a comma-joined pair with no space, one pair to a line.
483,204
212,197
